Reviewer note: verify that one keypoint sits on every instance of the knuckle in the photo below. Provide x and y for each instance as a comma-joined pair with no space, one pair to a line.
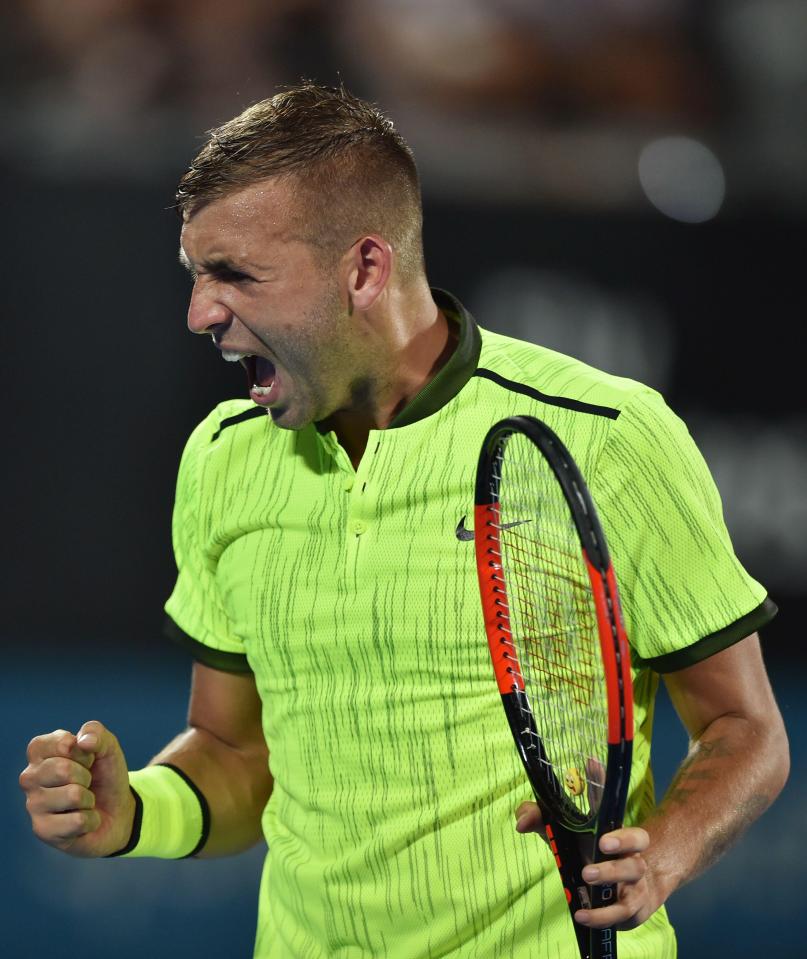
631,899
609,874
63,768
74,794
25,779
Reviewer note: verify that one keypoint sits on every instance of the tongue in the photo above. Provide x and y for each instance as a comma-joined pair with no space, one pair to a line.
264,372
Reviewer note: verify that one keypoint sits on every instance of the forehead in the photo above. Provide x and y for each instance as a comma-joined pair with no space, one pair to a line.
258,216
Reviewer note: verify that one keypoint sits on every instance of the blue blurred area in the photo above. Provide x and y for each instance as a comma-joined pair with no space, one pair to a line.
65,908
62,908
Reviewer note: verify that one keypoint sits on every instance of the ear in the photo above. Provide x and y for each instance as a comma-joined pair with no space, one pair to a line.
369,265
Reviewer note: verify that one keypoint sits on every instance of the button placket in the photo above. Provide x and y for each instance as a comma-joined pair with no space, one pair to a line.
360,506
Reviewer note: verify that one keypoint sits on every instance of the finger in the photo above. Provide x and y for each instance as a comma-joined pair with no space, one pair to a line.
620,915
59,799
630,869
94,737
60,742
529,818
625,841
60,771
50,744
66,826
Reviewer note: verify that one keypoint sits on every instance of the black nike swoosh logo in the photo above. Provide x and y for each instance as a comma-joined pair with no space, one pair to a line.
466,534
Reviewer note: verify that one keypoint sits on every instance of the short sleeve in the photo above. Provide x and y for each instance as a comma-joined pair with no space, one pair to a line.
685,595
196,616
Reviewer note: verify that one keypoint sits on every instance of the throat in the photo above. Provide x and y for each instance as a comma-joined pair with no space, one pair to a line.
260,372
264,372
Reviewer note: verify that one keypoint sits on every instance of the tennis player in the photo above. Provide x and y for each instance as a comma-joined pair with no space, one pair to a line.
342,702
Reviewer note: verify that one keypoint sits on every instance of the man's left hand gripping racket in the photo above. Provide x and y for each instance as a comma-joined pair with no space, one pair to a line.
559,649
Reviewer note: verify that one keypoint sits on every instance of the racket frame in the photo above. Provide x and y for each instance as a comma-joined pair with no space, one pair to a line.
573,838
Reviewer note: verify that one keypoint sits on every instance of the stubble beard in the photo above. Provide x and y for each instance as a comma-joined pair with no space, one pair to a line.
318,356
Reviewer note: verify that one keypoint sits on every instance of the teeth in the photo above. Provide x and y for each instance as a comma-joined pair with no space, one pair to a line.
233,357
261,390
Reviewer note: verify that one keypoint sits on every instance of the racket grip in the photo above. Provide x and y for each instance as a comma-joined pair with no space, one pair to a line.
603,941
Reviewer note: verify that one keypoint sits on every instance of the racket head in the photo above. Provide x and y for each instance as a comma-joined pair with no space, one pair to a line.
554,624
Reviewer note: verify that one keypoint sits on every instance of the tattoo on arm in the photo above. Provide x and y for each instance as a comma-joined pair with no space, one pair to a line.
688,781
683,785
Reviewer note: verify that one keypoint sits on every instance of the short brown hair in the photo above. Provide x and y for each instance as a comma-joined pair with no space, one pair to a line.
356,173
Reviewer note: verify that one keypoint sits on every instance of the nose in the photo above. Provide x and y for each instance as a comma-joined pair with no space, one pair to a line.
206,312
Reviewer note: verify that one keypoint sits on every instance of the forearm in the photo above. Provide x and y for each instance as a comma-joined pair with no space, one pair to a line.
235,782
733,772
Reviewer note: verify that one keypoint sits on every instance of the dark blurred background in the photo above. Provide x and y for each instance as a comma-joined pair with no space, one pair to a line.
623,180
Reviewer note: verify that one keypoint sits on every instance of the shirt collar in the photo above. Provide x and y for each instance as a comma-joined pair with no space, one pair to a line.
454,374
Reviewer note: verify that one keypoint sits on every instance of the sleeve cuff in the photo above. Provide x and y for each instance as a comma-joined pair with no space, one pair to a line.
215,658
714,642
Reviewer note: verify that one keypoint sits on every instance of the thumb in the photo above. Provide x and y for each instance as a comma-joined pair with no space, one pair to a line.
110,776
94,737
529,818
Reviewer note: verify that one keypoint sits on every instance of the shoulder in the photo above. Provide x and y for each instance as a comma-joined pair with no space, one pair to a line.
560,380
221,443
227,416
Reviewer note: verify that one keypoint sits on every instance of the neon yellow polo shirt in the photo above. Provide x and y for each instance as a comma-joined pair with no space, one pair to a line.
351,597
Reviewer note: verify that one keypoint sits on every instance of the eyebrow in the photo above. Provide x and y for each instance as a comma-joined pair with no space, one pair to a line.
218,265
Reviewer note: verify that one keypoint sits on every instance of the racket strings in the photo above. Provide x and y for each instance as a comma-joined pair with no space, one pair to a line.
551,621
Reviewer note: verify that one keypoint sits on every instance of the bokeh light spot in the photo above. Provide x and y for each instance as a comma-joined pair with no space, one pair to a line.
682,178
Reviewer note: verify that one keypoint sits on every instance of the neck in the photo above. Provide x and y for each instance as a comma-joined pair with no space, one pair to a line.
415,341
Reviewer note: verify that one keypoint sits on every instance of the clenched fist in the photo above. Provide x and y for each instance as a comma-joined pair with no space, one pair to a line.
77,791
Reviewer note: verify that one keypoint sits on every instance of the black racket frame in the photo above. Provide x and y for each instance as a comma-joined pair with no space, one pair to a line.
573,837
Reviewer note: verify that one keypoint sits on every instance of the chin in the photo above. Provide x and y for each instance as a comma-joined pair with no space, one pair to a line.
287,419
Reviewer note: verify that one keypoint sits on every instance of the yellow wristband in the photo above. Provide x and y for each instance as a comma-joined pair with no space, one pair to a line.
172,818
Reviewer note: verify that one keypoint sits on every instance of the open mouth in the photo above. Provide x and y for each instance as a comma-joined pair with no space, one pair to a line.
260,371
260,374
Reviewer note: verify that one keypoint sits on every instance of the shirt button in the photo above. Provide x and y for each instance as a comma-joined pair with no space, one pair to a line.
348,486
359,527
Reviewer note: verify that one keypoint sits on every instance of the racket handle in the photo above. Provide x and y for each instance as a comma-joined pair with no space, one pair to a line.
603,941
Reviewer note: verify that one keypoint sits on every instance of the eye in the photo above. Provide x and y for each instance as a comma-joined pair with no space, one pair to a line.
233,276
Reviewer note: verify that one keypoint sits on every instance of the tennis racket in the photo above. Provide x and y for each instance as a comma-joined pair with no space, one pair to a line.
559,649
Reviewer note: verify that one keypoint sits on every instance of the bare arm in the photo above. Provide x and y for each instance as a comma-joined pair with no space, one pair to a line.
224,753
737,764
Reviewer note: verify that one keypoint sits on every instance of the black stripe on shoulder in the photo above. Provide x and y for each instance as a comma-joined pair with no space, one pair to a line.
215,658
238,418
203,805
563,401
715,642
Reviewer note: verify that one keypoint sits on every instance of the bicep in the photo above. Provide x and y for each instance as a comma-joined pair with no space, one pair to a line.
733,682
227,706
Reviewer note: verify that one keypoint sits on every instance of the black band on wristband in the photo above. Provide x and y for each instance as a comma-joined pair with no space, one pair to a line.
202,805
137,822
